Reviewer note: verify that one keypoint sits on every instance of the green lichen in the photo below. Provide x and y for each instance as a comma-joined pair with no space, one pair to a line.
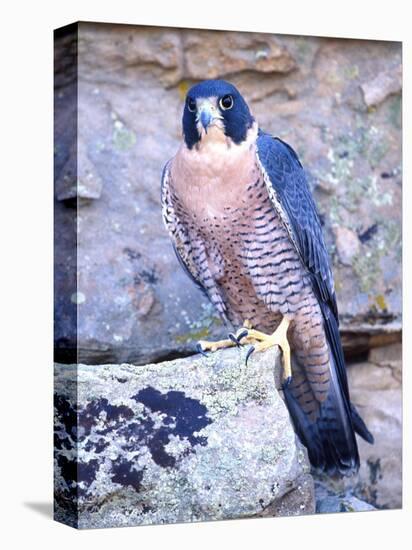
351,72
333,77
200,330
347,152
377,153
367,269
395,111
325,134
194,335
366,265
347,507
365,140
335,214
123,138
392,237
355,190
337,280
305,48
231,387
372,191
100,146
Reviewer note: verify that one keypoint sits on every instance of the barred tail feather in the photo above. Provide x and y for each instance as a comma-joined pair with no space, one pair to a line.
329,438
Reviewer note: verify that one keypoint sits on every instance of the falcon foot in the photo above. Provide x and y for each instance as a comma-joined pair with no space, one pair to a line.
233,340
262,342
205,345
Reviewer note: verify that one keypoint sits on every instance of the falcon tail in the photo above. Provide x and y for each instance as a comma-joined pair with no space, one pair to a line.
330,437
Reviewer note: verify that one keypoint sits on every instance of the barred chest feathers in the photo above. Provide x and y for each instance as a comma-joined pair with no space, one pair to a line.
223,197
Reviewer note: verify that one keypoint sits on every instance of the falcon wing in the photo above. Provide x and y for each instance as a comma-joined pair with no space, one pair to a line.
189,246
290,195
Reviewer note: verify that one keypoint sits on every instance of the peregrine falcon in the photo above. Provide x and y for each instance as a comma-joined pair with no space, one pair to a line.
244,225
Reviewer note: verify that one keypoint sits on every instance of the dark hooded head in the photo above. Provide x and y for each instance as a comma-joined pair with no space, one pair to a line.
215,103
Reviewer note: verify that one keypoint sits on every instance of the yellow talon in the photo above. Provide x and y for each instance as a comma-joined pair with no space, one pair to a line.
206,345
260,341
264,341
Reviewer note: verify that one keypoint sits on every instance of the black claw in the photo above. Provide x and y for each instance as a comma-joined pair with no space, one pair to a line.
200,350
287,382
242,334
249,353
234,339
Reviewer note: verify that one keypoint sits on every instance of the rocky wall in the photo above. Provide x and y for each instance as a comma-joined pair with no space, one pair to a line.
337,102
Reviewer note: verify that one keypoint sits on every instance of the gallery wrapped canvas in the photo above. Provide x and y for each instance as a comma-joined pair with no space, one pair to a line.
227,275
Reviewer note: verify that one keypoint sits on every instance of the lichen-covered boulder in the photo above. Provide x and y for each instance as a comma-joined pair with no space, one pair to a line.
187,440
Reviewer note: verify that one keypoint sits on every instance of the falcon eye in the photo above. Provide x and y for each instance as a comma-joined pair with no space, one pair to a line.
191,105
226,102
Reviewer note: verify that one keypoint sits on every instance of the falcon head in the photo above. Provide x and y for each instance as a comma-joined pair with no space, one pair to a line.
214,109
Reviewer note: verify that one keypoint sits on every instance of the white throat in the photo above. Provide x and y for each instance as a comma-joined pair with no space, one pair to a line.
215,152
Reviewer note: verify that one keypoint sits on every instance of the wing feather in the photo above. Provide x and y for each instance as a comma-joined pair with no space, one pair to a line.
290,195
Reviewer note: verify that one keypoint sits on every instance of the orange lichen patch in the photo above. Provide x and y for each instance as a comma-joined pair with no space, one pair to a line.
182,88
380,300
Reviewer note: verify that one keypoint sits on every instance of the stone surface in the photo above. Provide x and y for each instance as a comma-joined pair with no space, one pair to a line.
344,503
376,390
384,84
347,244
220,53
329,501
187,440
137,304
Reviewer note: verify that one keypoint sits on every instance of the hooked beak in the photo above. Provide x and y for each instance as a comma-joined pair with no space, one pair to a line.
207,115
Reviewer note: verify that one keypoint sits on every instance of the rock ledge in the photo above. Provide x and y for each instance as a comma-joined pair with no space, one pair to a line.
192,439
